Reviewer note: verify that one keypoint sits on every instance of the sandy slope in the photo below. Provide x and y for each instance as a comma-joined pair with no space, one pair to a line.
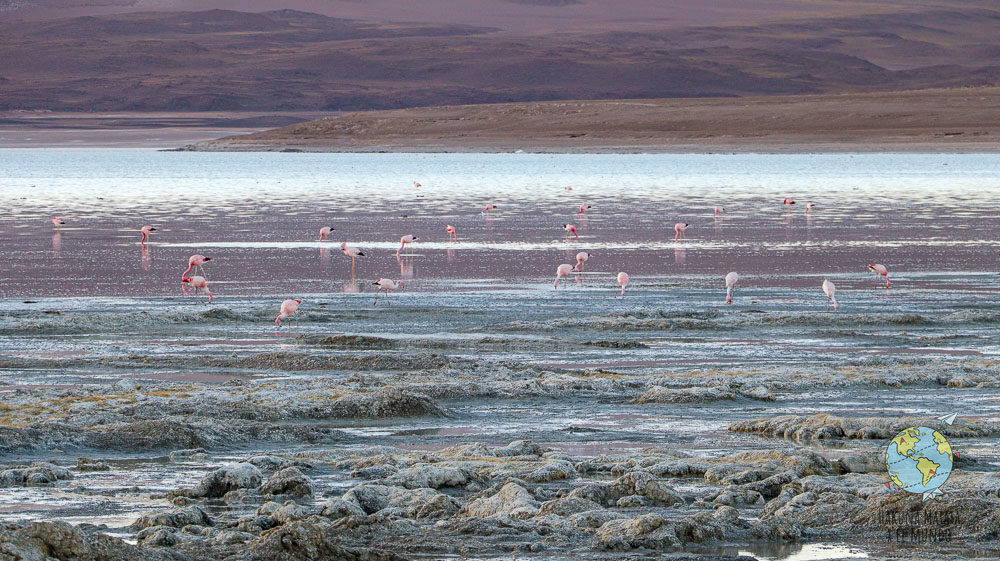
959,119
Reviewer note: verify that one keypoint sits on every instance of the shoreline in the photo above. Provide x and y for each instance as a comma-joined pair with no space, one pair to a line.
939,120
769,149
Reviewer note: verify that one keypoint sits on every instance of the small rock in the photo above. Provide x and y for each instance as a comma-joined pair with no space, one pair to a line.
87,464
289,481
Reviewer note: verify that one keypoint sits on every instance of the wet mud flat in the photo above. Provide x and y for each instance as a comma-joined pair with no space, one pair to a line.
479,412
535,430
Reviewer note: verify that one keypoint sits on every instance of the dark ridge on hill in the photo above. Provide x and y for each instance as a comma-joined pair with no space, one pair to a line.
293,60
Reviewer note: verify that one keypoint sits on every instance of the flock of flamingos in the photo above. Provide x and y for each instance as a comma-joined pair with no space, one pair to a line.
289,307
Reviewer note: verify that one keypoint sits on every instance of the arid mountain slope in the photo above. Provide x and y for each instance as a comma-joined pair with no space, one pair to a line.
287,60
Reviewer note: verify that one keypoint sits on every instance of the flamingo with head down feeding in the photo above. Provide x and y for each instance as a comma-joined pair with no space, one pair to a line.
408,238
562,271
451,232
622,280
288,309
570,229
146,230
679,230
581,260
58,222
196,282
324,232
731,280
386,285
880,270
196,262
831,295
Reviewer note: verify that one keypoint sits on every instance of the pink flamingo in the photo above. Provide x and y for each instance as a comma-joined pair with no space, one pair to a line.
352,252
568,188
146,230
58,222
196,282
731,280
196,262
623,280
581,260
583,209
417,185
788,203
324,232
570,229
386,285
408,238
451,232
288,308
719,211
488,208
679,230
809,207
880,270
561,271
831,295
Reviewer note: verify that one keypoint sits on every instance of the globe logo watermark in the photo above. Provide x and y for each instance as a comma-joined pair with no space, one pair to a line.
919,460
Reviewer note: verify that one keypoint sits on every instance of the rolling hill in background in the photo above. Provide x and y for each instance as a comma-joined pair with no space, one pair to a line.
343,55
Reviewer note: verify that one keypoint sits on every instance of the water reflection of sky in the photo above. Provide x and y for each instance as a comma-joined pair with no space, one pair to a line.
259,214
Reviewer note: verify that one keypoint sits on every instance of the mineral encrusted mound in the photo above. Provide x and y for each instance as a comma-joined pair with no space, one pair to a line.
390,402
819,427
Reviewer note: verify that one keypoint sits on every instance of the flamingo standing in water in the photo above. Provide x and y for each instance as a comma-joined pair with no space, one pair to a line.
679,230
568,188
324,232
288,309
581,260
352,252
58,222
196,262
583,209
488,208
146,230
451,232
417,185
719,211
809,207
788,203
196,282
386,285
570,229
623,280
561,271
408,238
880,270
831,295
731,280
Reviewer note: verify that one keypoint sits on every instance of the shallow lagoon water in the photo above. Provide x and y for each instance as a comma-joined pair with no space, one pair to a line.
78,306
